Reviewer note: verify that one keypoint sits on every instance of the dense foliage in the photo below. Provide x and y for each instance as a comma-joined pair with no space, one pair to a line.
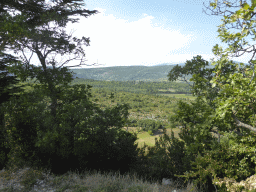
230,96
57,122
7,90
82,133
149,125
44,125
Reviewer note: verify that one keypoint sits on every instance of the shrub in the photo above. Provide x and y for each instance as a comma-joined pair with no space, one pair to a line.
44,141
164,160
149,124
107,150
21,126
235,161
150,132
133,123
3,149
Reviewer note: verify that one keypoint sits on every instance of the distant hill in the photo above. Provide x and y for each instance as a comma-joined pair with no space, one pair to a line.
155,73
128,73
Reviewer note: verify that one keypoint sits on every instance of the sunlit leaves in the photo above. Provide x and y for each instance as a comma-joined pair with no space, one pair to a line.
246,6
235,96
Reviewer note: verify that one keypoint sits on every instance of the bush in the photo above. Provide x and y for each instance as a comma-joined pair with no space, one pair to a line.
107,150
149,125
21,127
158,163
44,141
3,149
224,160
150,132
132,123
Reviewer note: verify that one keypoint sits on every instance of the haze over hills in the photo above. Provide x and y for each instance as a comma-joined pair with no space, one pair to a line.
156,73
125,73
128,73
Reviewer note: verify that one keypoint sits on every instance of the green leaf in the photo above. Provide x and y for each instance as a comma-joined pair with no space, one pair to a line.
246,6
246,31
214,5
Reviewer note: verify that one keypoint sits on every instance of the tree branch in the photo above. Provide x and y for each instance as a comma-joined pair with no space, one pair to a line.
240,124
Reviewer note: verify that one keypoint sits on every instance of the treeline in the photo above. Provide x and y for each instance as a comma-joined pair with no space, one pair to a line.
138,86
149,125
126,73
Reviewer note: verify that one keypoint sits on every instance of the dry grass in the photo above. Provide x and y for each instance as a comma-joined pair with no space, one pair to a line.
24,178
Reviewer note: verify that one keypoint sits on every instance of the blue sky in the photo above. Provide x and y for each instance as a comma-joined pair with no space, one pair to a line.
147,32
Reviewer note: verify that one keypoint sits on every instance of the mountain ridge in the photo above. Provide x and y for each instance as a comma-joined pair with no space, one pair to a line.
129,73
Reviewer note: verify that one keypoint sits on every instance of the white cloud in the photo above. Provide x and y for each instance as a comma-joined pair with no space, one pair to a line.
118,42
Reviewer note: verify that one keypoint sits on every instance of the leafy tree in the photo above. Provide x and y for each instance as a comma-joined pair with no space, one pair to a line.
82,122
43,34
232,91
45,39
7,90
237,97
149,125
196,119
55,131
166,159
201,110
199,119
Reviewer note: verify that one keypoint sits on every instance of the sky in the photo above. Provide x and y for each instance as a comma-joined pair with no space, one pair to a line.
148,32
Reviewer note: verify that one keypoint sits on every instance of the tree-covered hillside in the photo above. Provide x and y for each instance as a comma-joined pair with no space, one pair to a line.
125,73
128,73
